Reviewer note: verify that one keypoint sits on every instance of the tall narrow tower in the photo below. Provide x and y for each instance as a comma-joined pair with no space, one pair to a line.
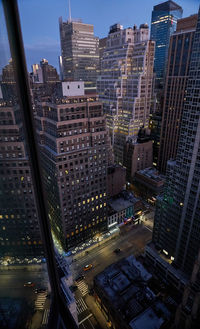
175,88
177,219
163,24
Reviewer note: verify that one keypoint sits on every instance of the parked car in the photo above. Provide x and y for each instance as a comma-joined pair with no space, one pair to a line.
73,288
29,284
38,291
79,278
117,250
87,267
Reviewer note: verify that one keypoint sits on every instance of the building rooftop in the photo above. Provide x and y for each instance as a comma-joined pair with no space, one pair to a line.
187,23
115,27
151,173
62,100
124,286
167,6
165,262
123,201
152,318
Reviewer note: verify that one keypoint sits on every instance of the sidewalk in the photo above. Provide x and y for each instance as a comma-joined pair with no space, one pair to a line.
36,320
96,311
23,267
95,245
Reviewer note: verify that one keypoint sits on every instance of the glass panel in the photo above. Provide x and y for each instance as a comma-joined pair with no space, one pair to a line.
27,299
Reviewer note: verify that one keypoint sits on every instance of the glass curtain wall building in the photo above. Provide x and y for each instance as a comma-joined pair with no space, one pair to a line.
175,88
177,218
163,24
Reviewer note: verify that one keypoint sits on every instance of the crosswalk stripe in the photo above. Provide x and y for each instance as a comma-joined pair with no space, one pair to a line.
81,306
45,316
40,301
82,286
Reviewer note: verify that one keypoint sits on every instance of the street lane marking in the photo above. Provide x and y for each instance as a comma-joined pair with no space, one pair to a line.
45,316
91,324
82,286
40,301
148,228
81,306
87,317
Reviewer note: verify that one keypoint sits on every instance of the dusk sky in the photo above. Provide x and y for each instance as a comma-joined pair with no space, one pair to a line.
39,19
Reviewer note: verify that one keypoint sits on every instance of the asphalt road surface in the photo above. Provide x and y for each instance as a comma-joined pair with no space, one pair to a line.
12,288
12,282
131,240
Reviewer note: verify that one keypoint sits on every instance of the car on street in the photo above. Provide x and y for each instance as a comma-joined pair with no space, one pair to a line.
73,288
67,254
39,290
29,284
87,267
79,278
117,250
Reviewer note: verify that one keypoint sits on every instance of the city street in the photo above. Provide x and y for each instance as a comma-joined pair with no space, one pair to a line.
12,282
131,240
148,219
12,290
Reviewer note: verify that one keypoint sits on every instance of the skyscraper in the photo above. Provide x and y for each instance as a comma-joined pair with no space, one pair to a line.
43,81
175,88
177,218
19,231
125,83
187,314
102,47
80,52
8,73
44,72
75,150
163,24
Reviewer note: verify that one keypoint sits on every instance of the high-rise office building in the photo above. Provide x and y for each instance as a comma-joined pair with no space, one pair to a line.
187,314
8,85
44,72
80,52
125,83
36,74
163,24
75,148
43,81
8,73
155,122
177,218
102,47
137,156
175,88
19,231
60,62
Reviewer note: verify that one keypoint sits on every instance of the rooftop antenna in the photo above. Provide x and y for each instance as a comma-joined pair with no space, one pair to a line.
70,18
